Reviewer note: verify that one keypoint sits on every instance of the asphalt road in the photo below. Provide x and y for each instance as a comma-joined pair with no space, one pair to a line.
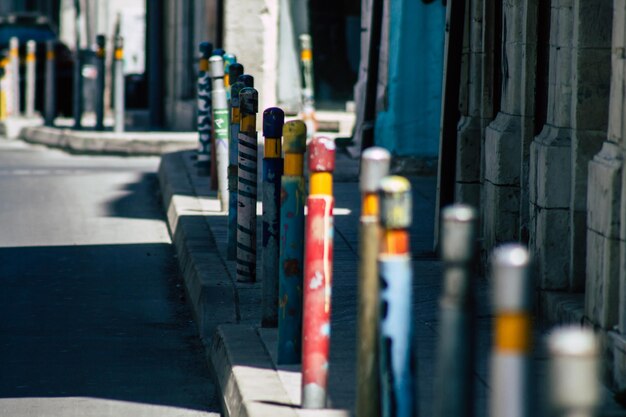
93,317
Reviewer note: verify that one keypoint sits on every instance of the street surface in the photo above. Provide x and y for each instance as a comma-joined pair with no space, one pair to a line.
93,316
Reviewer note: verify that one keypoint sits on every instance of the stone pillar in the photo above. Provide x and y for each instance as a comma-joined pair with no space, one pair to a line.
467,188
550,164
591,64
604,205
503,137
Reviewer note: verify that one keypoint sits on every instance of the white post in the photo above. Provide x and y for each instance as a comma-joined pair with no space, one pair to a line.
14,54
31,48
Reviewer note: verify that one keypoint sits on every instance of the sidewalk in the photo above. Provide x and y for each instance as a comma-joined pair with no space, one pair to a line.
243,355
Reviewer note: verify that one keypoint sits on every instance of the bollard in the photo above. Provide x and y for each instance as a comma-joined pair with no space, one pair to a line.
14,56
3,85
291,245
318,268
247,186
273,120
205,123
220,128
397,361
99,96
119,84
50,103
218,52
453,378
308,97
77,108
573,376
234,71
229,59
374,166
512,333
235,120
213,156
31,49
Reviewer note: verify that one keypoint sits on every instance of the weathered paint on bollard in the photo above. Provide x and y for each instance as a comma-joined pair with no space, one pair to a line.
99,96
318,270
14,62
397,360
273,120
229,59
308,98
234,71
119,85
3,85
213,155
235,120
31,48
247,186
573,377
510,362
220,128
374,166
205,116
455,358
291,250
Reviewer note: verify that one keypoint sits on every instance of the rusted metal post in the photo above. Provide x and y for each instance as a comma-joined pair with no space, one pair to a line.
318,270
397,360
233,173
247,186
574,388
31,49
455,357
374,167
273,120
101,67
205,117
308,95
291,246
510,362
220,128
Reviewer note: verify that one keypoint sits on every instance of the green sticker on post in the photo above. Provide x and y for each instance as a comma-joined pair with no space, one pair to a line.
220,121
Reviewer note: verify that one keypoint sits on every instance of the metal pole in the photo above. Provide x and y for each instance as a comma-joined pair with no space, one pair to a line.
31,49
273,120
77,109
99,96
234,71
397,360
213,164
3,85
50,101
14,54
229,59
456,311
205,123
247,186
220,128
235,120
510,360
308,97
374,166
119,84
574,388
318,269
291,246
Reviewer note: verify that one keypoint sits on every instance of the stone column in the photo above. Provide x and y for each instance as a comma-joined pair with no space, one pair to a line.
591,65
467,188
503,137
550,164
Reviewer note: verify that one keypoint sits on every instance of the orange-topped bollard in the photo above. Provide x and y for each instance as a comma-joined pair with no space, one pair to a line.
318,269
374,167
397,366
510,361
247,186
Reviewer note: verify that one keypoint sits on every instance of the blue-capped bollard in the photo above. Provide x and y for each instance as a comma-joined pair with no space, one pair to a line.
205,116
291,252
273,120
397,354
247,187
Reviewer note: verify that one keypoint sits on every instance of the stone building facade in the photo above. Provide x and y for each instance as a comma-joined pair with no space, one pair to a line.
540,151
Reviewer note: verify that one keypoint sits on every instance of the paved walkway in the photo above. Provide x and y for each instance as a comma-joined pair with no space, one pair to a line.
197,199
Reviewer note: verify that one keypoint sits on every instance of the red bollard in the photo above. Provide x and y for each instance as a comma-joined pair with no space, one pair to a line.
318,268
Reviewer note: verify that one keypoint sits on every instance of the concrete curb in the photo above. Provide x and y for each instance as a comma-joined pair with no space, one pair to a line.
109,143
237,352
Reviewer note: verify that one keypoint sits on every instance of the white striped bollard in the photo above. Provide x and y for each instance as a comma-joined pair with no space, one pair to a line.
220,128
